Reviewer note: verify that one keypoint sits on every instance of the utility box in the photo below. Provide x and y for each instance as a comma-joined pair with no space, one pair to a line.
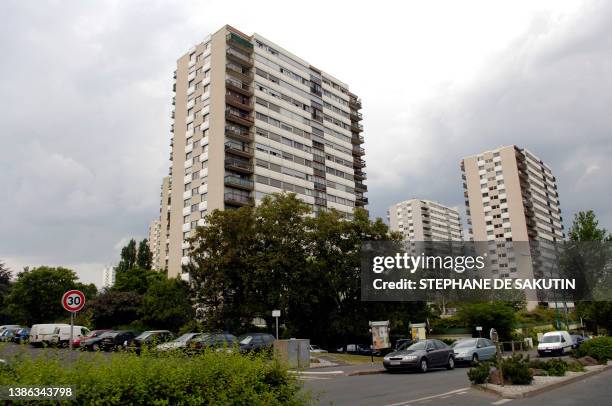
294,352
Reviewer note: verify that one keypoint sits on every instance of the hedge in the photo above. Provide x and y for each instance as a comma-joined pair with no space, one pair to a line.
211,378
599,348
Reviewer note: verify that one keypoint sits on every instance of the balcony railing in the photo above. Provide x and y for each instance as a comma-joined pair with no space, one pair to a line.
241,150
356,127
358,150
359,175
359,163
355,103
238,182
238,199
240,102
239,57
356,115
357,139
361,187
240,74
239,135
237,40
238,86
238,165
361,201
240,118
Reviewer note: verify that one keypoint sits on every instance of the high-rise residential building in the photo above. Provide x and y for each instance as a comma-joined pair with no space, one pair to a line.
250,119
512,203
108,277
155,240
511,195
425,220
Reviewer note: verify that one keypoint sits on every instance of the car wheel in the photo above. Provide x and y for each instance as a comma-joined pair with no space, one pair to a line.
95,347
475,359
423,365
451,363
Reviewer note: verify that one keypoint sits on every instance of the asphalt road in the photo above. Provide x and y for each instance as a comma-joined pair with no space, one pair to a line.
442,387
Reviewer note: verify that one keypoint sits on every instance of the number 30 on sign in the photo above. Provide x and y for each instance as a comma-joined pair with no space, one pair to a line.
73,300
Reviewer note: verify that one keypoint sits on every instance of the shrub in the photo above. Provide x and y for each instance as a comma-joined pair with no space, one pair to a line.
480,373
125,379
553,367
575,367
516,370
599,348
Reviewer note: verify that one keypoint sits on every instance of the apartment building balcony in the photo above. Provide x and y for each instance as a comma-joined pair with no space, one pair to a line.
239,117
361,187
320,187
355,103
240,150
237,101
358,151
361,201
360,175
244,75
320,201
244,136
237,165
239,183
239,57
237,41
237,199
356,127
359,163
238,87
357,139
356,115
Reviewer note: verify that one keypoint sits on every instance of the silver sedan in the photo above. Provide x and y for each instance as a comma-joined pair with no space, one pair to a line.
473,350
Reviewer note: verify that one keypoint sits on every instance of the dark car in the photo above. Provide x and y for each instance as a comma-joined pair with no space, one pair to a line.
109,341
82,341
256,342
422,355
213,341
578,339
149,339
21,335
358,349
8,334
403,342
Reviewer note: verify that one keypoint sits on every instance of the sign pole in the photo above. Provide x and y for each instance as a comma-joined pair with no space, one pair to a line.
71,328
276,314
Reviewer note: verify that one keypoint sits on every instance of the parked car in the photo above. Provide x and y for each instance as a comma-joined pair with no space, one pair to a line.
403,342
8,334
179,343
22,335
555,343
149,339
473,350
422,355
108,341
5,326
41,334
61,335
578,340
358,349
213,341
79,341
315,349
256,342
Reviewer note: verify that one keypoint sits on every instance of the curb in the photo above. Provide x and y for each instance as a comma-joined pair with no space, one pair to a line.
367,372
544,388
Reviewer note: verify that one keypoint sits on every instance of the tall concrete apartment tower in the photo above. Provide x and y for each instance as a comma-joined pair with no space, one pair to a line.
155,240
425,220
511,196
250,119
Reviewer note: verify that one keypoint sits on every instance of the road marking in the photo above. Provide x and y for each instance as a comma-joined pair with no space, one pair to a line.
407,402
313,378
501,401
317,372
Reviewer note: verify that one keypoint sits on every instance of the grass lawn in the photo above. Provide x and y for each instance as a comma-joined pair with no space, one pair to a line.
353,359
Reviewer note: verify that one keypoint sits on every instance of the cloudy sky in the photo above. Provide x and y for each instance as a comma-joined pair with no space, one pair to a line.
86,89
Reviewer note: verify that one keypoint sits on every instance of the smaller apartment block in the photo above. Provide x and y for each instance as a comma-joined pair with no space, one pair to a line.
425,220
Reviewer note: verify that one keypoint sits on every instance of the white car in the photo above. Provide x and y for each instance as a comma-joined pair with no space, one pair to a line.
61,334
555,343
316,349
42,334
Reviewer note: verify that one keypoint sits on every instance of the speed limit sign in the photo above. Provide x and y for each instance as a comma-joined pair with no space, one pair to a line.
73,300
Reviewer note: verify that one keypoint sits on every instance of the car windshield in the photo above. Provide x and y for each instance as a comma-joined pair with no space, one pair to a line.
464,344
185,337
144,336
419,345
108,334
245,339
551,339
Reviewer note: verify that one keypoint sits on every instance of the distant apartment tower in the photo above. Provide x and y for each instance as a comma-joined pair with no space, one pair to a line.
425,220
108,277
155,241
512,204
250,119
511,195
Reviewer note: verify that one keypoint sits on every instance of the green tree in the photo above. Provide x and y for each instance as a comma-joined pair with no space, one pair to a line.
136,280
113,308
128,257
36,294
145,257
167,304
585,230
5,285
498,315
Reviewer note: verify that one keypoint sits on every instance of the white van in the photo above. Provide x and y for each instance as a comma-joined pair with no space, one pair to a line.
41,334
555,343
61,334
